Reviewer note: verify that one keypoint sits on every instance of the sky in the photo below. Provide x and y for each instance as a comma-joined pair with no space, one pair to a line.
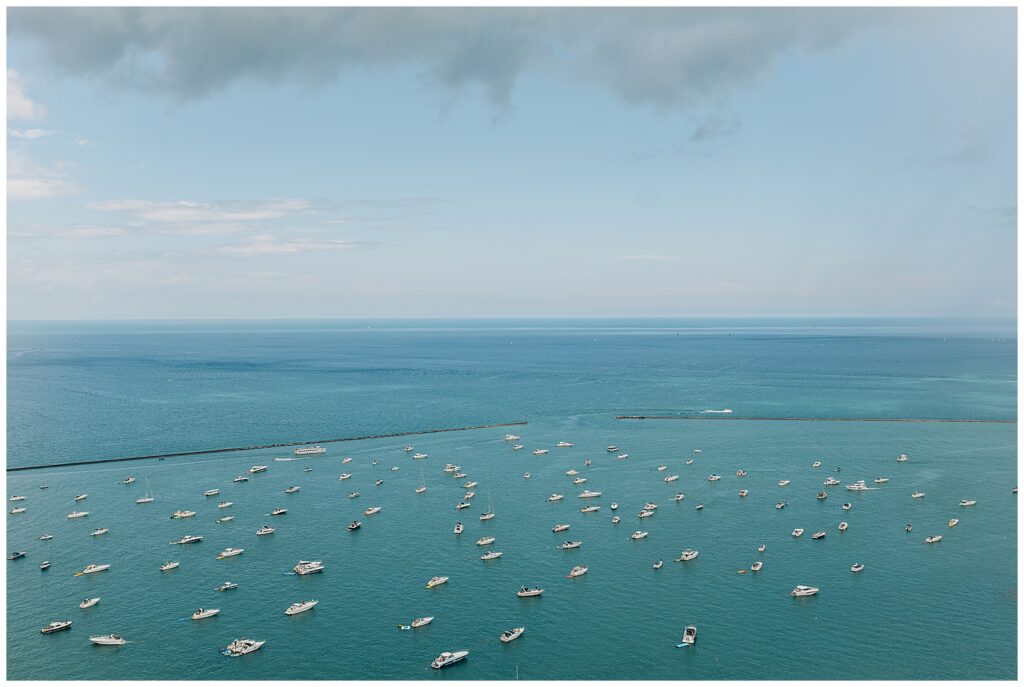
453,162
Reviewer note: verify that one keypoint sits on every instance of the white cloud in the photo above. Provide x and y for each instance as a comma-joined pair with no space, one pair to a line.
79,141
265,244
29,180
30,134
226,216
19,106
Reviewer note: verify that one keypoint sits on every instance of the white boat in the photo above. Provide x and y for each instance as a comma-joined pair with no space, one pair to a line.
344,476
435,581
458,528
783,482
539,451
490,510
780,505
89,603
257,468
211,492
420,622
353,495
229,552
529,591
16,498
672,478
526,475
81,497
353,526
577,571
756,566
189,539
804,590
148,498
622,456
310,451
700,506
348,459
820,534
657,565
822,495
45,537
953,522
460,505
560,528
857,486
509,635
180,514
511,437
556,497
843,526
616,520
662,468
917,495
713,478
56,626
816,464
301,607
572,473
847,506
420,456
689,461
420,489
690,632
490,555
579,480
564,444
108,640
169,565
308,567
967,502
279,511
743,493
856,567
447,658
612,449
881,480
933,539
98,532
517,447
241,478
798,532
570,545
614,506
16,511
77,514
831,482
761,548
241,647
379,482
741,473
687,555
469,485
901,458
590,509
93,568
292,490
484,541
225,504
408,448
587,494
639,534
265,530
227,586
205,613
645,514
372,510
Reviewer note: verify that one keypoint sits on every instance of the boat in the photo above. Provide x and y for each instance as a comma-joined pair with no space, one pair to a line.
211,492
783,482
490,555
909,528
847,506
901,458
379,482
354,525
408,448
461,504
517,447
743,493
180,514
77,514
509,635
484,541
265,530
689,461
279,511
241,647
590,509
225,504
108,640
435,581
44,486
856,567
348,459
798,532
612,449
822,495
354,495
17,511
577,571
662,468
967,502
560,528
169,565
622,456
372,510
292,490
310,451
308,567
448,658
241,478
843,526
572,473
469,485
881,480
741,473
45,537
89,603
529,591
917,495
933,539
227,586
45,565
420,489
490,510
189,539
820,534
953,522
56,626
579,480
857,486
761,548
458,528
420,622
539,451
650,506
420,456
587,462
556,497
301,607
564,444
587,494
756,565
804,590
451,468
671,478
657,565
257,468
689,635
205,613
713,478
81,497
511,437
148,498
831,482
700,506
16,498
687,555
780,505
616,520
570,545
93,568
229,552
98,532
816,464
526,475
344,476
639,534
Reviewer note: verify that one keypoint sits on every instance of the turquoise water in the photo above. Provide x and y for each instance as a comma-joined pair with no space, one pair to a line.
88,390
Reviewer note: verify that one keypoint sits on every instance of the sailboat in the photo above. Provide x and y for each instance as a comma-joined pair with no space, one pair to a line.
490,509
148,498
423,483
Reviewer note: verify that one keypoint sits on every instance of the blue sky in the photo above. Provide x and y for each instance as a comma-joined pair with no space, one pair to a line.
360,163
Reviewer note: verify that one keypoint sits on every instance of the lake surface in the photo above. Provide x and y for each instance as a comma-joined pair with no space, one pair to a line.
86,391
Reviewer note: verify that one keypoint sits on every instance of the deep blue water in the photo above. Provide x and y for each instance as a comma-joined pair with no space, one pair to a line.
87,390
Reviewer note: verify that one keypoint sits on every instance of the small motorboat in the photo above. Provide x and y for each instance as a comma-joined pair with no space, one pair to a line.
700,506
822,496
560,528
639,534
539,451
612,449
45,565
205,613
671,478
587,461
292,490
743,493
526,475
657,565
622,456
229,553
572,473
211,492
308,567
662,468
16,555
420,622
783,482
616,520
967,502
344,476
93,568
570,545
279,511
901,458
689,637
448,658
679,496
556,497
372,510
645,514
816,464
354,525
933,539
240,478
953,522
843,526
379,482
818,535
687,555
713,478
419,456
856,567
461,504
881,480
756,565
761,548
564,444
804,590
17,511
169,565
579,480
917,495
517,447
510,635
529,591
301,607
458,528
77,514
780,505
435,581
225,504
98,532
265,530
182,514
226,518
909,528
590,509
241,647
615,505
56,626
798,532
484,541
578,571
81,497
45,537
89,603
227,586
354,495
741,473
847,506
395,468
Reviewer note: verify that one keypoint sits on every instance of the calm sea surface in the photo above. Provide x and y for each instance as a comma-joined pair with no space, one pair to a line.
83,391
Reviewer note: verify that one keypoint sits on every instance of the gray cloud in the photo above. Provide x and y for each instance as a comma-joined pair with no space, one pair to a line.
666,57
